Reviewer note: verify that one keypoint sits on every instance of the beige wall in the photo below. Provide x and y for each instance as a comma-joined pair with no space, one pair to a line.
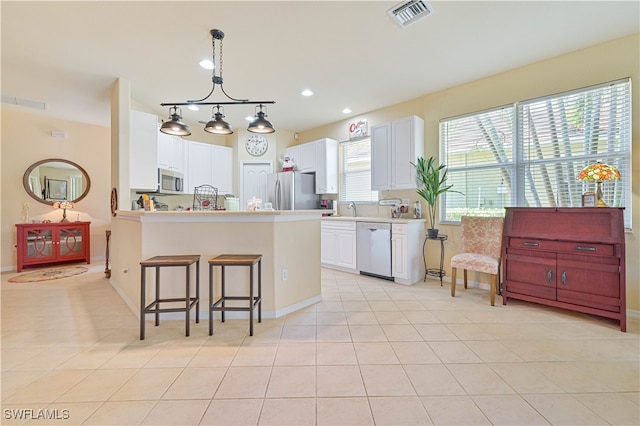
597,64
26,138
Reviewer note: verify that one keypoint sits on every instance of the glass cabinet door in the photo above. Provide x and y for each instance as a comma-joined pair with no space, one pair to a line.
70,243
40,244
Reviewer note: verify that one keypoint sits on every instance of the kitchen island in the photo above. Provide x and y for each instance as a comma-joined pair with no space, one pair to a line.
289,242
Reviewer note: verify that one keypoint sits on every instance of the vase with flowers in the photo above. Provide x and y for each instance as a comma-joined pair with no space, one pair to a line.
64,205
432,182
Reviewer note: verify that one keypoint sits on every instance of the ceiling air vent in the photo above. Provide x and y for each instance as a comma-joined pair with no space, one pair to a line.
408,12
13,100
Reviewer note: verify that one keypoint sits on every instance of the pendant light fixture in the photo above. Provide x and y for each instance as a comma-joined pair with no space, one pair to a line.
218,126
175,126
261,124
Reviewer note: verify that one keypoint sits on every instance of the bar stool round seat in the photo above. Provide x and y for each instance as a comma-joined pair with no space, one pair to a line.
189,301
220,305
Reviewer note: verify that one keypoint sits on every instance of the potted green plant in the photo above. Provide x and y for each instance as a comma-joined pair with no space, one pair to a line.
432,181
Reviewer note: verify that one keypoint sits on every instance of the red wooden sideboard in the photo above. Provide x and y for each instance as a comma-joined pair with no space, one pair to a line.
51,243
572,258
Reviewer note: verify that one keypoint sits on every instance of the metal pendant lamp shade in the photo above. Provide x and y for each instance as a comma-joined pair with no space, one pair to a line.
175,126
218,126
260,124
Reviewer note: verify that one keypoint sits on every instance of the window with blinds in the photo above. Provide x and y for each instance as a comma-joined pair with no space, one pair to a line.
355,171
530,154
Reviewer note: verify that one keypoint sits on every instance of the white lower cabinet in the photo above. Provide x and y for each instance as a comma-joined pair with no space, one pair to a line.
407,261
338,248
338,244
399,248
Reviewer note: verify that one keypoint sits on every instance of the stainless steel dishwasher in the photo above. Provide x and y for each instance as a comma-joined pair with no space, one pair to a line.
373,248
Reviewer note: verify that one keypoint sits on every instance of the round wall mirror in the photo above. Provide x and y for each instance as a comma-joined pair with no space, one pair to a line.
55,179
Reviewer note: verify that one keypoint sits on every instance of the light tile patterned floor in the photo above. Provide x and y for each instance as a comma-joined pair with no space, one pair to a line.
372,352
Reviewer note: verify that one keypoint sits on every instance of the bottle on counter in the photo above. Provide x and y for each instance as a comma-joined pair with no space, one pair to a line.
417,210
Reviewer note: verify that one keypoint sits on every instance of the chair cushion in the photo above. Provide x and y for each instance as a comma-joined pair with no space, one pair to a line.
476,262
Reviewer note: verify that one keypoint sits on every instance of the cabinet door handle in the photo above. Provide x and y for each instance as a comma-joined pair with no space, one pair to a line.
564,277
549,275
585,248
531,244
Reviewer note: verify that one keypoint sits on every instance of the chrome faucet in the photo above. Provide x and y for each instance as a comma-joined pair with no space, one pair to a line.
352,205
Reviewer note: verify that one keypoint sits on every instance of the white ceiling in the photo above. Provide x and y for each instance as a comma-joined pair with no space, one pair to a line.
68,54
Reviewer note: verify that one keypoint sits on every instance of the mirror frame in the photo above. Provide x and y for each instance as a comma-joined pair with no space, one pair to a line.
25,179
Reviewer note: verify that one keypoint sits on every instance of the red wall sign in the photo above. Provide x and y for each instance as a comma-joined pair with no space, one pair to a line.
358,129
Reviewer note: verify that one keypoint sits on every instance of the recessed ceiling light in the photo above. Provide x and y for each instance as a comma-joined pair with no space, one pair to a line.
193,107
307,92
347,111
206,64
249,118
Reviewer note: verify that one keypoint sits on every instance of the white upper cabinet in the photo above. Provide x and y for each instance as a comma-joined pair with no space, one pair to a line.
199,169
303,156
143,151
209,165
394,146
326,166
319,157
171,152
295,154
308,159
222,168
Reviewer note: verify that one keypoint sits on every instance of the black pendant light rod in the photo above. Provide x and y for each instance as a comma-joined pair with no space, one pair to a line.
216,103
175,126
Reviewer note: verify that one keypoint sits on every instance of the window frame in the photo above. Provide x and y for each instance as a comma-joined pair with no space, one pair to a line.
519,164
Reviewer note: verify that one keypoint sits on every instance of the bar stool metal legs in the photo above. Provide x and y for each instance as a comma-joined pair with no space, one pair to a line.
220,305
158,262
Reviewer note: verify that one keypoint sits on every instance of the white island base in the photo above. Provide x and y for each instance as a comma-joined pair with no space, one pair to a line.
289,242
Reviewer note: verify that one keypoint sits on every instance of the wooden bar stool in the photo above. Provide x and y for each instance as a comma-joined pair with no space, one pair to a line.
225,260
158,262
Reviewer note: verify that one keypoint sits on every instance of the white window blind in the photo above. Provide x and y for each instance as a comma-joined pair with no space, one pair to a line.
536,165
478,151
355,171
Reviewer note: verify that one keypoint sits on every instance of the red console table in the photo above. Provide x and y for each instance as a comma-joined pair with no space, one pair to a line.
572,258
52,243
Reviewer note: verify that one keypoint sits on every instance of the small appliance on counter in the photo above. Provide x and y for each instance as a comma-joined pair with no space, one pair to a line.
328,205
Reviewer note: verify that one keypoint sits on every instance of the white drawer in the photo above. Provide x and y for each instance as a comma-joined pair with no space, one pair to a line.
338,225
399,228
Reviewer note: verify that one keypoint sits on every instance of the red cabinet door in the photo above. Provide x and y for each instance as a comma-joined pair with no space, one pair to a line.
595,284
531,274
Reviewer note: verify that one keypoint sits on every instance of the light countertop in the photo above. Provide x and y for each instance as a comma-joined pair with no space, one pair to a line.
219,215
377,219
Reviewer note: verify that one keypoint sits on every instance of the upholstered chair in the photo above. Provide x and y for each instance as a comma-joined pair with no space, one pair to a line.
481,250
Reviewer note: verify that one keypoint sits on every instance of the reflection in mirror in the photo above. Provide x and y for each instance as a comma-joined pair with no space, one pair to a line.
55,179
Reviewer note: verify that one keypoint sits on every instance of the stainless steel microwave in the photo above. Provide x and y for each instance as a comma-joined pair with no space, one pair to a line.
170,182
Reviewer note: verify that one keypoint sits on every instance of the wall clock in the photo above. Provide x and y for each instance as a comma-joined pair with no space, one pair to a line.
257,145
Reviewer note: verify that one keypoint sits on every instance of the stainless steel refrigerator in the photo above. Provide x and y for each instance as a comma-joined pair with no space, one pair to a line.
292,191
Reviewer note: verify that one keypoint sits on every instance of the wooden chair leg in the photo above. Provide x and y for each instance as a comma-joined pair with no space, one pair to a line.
465,278
494,280
453,282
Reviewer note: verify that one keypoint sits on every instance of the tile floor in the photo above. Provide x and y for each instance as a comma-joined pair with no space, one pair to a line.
372,352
